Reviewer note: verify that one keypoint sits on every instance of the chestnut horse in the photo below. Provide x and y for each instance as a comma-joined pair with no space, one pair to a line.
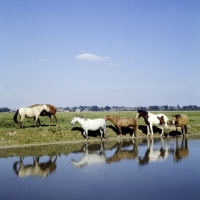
123,122
45,113
180,120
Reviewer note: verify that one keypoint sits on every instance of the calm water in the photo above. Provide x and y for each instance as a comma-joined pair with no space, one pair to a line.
138,169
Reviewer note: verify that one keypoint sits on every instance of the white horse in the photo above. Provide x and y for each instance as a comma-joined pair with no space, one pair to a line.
91,125
33,112
89,158
152,119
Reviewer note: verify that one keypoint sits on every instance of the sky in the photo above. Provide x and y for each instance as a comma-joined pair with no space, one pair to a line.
99,52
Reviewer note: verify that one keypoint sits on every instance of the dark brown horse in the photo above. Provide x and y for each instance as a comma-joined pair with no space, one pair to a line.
45,113
180,120
123,122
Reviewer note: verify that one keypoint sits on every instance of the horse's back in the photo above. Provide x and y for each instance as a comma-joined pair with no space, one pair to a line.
184,119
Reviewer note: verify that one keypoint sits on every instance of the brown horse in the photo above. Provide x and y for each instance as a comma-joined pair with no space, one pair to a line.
45,113
180,120
123,122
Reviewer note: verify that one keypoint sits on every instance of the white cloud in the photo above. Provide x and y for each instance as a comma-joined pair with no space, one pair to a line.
95,58
92,57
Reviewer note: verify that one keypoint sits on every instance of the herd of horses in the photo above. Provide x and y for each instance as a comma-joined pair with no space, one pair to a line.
150,119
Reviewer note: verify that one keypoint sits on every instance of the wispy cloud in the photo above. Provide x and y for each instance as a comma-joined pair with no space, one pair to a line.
95,58
92,57
42,60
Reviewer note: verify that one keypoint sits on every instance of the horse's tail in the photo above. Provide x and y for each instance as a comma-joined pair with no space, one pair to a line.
15,167
15,117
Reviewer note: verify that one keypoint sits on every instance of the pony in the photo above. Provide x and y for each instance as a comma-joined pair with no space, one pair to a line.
52,111
123,122
180,120
36,169
91,125
90,158
152,119
33,112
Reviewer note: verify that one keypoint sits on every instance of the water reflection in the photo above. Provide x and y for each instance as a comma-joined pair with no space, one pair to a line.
37,169
92,157
155,154
124,153
104,152
182,150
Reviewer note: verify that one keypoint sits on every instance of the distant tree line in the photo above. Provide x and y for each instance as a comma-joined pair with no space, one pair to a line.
118,108
5,109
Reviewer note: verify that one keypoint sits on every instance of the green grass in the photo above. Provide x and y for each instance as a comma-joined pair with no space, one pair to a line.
11,133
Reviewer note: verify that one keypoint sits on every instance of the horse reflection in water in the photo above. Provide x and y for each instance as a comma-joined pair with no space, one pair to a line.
181,151
152,155
36,169
89,158
121,154
100,156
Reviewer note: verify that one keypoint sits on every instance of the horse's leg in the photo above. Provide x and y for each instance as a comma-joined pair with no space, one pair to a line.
162,131
120,131
148,131
86,134
55,119
101,131
151,128
36,121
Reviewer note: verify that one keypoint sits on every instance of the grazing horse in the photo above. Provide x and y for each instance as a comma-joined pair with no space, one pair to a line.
45,113
152,119
33,112
91,125
36,169
180,120
123,122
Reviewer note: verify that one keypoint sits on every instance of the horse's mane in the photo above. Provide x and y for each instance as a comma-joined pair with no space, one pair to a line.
81,117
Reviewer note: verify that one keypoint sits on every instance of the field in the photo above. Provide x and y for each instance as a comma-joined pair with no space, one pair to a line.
12,134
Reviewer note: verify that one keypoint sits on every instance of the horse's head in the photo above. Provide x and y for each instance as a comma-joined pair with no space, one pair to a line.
176,119
107,117
74,120
46,107
141,113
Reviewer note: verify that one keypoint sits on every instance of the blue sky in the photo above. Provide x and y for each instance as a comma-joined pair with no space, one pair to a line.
99,52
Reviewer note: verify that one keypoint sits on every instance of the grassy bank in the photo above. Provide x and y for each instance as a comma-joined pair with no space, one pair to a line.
12,134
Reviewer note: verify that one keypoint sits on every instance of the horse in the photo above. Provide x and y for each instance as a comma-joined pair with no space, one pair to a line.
90,158
91,125
33,112
45,113
180,120
36,169
123,122
152,119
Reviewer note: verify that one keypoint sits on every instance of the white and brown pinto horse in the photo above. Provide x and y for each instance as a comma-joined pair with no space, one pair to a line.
153,120
45,113
33,112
